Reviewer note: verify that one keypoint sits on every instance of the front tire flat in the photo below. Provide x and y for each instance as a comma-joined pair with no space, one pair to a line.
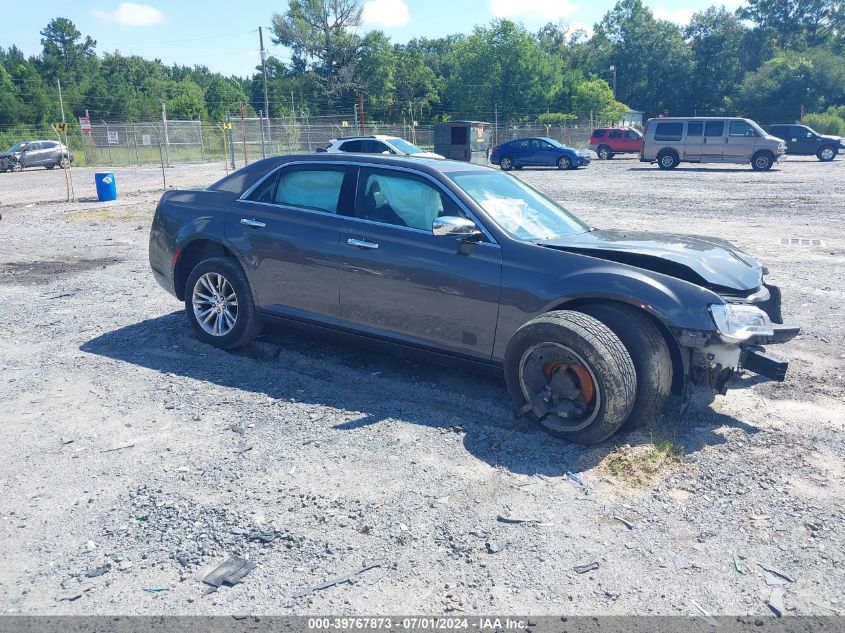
589,357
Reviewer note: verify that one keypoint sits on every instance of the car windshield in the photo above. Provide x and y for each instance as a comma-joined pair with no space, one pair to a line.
405,147
518,209
16,148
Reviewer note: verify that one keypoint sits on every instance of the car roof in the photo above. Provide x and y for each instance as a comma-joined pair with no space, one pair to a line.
244,178
380,137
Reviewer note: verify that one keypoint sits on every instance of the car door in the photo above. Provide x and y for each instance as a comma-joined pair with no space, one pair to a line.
521,151
694,140
29,158
546,153
287,234
400,281
806,142
713,142
741,142
633,141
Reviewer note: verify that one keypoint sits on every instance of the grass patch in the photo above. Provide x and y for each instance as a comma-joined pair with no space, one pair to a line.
640,465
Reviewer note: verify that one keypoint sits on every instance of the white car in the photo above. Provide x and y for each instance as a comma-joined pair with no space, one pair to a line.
376,144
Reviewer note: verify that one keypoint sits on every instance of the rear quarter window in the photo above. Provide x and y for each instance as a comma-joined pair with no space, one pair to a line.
669,131
598,134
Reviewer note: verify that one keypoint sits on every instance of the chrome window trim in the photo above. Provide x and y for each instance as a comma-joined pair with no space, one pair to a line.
340,163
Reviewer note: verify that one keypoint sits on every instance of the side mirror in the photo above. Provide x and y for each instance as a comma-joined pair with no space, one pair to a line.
453,226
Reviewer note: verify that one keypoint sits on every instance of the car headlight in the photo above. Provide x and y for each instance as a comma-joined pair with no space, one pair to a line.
737,322
582,153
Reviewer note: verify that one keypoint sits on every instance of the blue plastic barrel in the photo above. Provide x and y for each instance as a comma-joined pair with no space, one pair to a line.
106,186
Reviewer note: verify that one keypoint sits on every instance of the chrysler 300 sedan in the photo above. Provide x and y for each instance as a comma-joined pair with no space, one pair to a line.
592,328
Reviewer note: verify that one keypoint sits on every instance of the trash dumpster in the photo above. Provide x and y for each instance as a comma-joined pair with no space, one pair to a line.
106,186
463,140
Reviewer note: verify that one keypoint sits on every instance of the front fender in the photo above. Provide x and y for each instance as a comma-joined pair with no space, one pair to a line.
677,304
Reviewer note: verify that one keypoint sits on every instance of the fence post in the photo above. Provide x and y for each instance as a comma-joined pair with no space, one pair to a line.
202,143
230,139
261,125
164,126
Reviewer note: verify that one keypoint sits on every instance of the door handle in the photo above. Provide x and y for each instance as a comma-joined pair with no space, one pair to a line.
253,223
367,246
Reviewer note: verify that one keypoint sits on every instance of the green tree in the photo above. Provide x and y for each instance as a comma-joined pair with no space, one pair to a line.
789,81
653,62
796,24
595,98
717,38
66,55
502,66
318,30
224,95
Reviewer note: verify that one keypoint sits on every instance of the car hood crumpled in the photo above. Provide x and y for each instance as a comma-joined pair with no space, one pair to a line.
705,261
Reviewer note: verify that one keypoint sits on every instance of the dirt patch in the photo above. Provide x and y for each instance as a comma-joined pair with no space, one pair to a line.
111,213
641,465
43,272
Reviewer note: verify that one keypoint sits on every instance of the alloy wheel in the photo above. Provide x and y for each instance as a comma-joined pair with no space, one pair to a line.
215,304
827,154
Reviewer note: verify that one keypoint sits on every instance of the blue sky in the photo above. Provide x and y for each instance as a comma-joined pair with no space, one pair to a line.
223,35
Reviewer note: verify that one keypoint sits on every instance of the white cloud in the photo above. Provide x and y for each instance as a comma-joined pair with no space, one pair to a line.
546,9
678,16
132,14
385,13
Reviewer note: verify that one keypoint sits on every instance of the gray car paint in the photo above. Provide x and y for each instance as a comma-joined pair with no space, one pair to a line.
440,293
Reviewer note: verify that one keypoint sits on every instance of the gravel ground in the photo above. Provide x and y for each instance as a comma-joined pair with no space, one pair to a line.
135,457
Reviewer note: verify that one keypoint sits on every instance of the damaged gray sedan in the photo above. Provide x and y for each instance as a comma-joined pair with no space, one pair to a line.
592,328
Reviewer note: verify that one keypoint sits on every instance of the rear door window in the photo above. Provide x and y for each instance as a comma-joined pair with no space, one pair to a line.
714,128
351,146
669,131
313,188
614,134
695,128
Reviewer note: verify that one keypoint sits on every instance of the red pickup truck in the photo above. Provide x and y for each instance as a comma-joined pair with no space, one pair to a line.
607,141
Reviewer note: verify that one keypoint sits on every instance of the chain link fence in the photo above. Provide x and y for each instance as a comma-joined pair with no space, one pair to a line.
242,141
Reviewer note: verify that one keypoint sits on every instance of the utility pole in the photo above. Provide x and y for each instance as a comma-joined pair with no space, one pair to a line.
496,124
363,124
613,70
68,177
264,74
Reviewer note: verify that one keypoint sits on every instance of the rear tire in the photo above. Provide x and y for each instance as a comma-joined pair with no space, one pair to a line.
762,161
604,153
49,166
827,153
202,300
648,351
562,341
668,159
